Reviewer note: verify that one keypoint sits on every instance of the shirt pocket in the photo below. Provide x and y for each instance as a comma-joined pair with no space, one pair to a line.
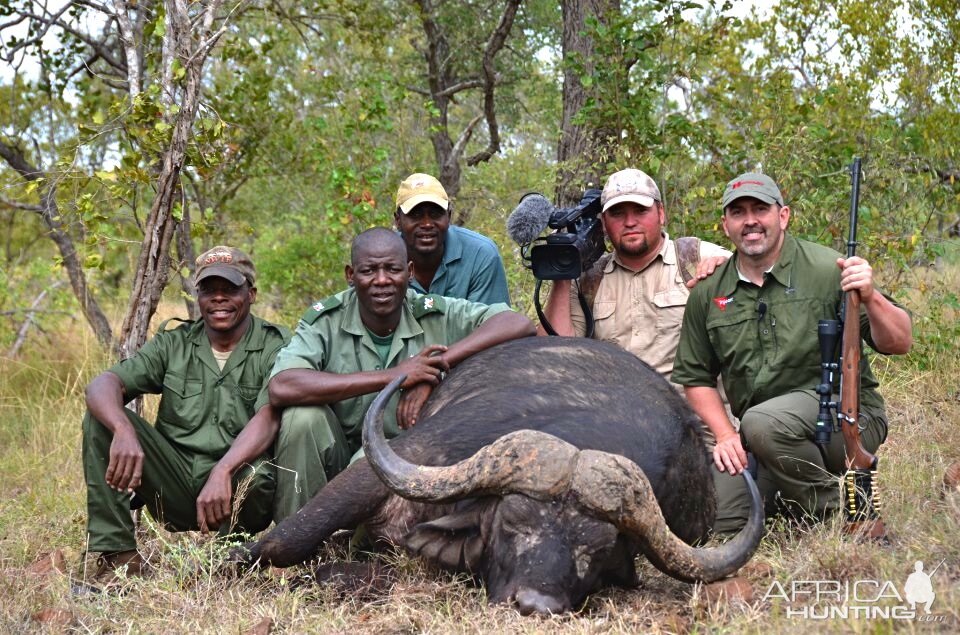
669,307
735,341
604,319
247,395
181,404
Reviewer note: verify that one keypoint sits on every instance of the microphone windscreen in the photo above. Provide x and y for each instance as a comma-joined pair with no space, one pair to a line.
529,219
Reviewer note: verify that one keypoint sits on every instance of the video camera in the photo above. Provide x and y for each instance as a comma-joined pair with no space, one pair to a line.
576,244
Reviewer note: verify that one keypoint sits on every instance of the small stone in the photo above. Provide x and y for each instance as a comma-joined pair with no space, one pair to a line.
50,563
54,616
757,570
737,588
265,627
951,477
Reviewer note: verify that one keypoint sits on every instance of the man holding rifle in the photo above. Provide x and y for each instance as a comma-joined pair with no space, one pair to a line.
755,322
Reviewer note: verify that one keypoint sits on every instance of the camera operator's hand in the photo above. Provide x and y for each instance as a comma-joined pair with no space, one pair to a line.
411,401
705,269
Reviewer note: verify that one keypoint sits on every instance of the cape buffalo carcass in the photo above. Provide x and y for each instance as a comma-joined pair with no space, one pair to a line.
541,466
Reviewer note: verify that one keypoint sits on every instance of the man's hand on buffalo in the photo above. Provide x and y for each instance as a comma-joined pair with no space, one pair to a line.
213,503
426,366
729,454
411,401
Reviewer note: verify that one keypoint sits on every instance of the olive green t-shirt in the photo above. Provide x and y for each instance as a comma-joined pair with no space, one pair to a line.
202,408
763,340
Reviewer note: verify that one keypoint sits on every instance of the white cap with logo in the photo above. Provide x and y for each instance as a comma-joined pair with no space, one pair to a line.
630,185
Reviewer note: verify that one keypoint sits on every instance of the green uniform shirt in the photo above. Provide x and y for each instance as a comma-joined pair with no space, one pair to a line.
201,408
332,338
763,340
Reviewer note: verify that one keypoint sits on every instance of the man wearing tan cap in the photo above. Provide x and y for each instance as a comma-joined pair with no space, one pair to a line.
447,260
755,322
214,424
637,293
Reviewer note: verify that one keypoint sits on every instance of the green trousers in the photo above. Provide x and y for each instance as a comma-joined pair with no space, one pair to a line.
311,449
779,433
171,482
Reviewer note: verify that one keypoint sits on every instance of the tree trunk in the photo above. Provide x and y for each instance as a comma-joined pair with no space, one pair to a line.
444,84
153,265
580,150
187,256
50,213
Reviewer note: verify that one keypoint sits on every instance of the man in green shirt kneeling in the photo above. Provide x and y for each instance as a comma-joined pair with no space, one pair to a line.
754,322
210,435
351,345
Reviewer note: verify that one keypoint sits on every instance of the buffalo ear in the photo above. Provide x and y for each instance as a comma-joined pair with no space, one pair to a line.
453,542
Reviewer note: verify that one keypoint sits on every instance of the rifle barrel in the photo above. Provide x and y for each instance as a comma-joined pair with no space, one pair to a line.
854,205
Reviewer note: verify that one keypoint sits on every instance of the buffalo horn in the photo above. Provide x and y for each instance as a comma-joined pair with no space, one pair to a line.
541,466
532,463
615,489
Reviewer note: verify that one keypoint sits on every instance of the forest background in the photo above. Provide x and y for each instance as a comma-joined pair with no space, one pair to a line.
136,134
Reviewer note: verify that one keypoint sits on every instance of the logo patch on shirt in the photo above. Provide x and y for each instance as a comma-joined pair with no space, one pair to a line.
428,303
318,306
722,302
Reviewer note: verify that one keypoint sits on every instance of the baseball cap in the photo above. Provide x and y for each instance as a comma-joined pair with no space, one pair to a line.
421,188
754,184
629,185
225,262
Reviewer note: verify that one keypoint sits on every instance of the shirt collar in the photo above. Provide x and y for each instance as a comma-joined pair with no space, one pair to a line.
407,327
781,271
453,245
198,335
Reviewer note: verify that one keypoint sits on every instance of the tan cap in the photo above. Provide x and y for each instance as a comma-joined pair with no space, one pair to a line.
755,185
421,188
225,262
630,185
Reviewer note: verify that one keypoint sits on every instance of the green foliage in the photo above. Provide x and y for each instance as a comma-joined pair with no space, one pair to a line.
306,126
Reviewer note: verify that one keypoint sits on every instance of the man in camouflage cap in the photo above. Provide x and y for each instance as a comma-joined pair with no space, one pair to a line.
351,345
214,424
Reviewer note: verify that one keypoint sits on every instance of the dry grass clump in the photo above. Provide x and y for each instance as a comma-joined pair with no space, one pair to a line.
192,588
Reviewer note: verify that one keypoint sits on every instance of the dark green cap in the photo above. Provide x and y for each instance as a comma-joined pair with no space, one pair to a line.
753,184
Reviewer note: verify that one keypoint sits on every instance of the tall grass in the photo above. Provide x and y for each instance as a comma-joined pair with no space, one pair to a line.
42,509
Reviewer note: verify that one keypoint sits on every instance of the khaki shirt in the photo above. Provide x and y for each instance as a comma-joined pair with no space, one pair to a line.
763,340
641,311
201,407
331,337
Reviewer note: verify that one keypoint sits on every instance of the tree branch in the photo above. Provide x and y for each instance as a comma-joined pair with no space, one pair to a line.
21,206
50,214
494,44
29,320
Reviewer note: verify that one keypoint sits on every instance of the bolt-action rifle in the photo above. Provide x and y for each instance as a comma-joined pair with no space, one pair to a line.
861,499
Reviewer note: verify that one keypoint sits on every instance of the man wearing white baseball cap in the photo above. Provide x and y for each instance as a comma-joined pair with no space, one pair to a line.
637,293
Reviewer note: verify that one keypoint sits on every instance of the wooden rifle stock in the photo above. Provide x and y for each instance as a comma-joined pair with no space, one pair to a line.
857,456
862,502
